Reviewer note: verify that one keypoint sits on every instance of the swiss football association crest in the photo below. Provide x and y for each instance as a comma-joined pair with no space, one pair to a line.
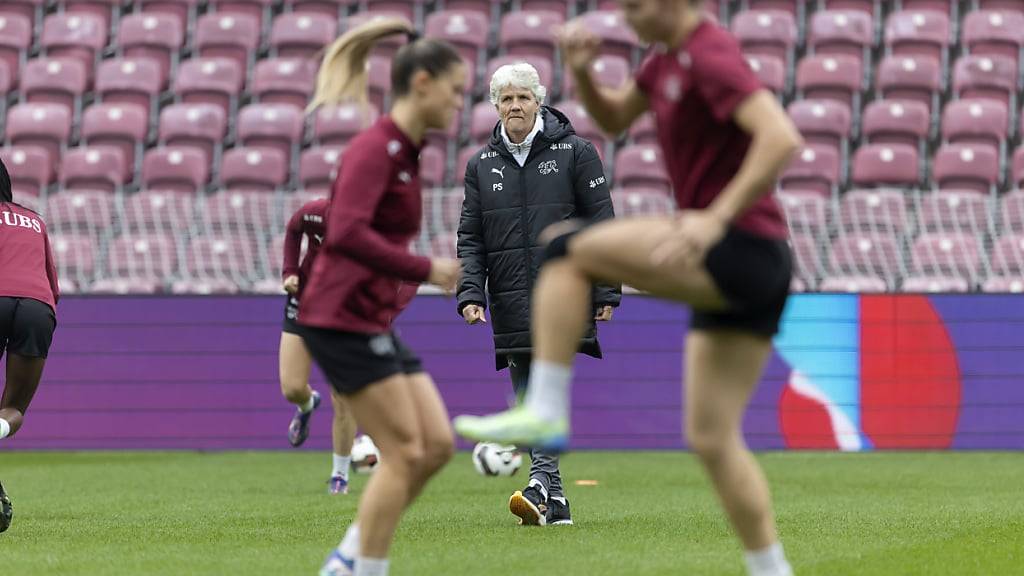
548,167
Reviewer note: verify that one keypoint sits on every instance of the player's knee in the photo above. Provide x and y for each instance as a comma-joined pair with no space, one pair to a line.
410,455
294,392
439,451
709,443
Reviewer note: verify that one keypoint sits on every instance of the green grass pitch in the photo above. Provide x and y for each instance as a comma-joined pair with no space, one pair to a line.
652,513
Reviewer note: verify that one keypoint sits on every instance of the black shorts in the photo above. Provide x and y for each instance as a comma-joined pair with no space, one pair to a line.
351,361
754,274
291,315
26,327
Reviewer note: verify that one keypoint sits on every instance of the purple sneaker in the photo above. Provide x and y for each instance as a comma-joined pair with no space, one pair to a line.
338,565
337,485
298,430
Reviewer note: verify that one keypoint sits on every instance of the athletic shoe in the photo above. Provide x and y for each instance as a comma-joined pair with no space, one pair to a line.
529,506
6,510
338,565
298,430
558,512
517,426
337,485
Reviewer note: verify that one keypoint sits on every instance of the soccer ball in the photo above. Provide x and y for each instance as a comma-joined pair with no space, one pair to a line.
491,459
365,456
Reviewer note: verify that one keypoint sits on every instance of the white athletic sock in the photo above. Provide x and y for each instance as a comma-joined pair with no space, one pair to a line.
548,394
341,464
5,428
349,546
770,561
308,406
371,566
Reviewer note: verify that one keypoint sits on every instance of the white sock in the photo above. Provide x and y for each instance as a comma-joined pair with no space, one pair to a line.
770,561
371,566
548,394
5,428
341,464
349,546
308,406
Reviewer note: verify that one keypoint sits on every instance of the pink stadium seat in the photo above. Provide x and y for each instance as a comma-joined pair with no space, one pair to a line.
443,245
235,37
822,123
215,81
938,253
466,30
379,81
992,77
220,257
199,126
109,11
432,166
176,169
55,81
326,8
584,125
1008,255
259,10
617,38
253,169
806,212
45,125
866,254
947,7
123,126
771,71
100,168
75,257
284,81
206,286
451,208
935,284
78,36
1011,212
1002,284
135,81
30,169
83,213
607,71
838,78
153,212
465,155
919,33
966,166
272,126
641,202
999,5
482,122
642,166
917,78
545,69
794,7
318,169
411,9
886,165
156,36
976,122
853,284
644,130
897,122
241,214
869,7
955,211
530,35
873,210
15,42
336,125
806,257
183,11
30,10
561,6
386,46
125,286
988,33
766,33
814,169
849,32
301,35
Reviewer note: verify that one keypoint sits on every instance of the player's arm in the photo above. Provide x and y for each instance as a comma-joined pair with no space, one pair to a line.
774,140
292,245
51,268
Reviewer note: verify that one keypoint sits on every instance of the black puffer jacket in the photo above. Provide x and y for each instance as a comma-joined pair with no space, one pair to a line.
505,210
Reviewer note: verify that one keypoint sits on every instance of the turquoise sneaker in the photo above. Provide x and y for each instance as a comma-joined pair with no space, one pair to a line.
517,426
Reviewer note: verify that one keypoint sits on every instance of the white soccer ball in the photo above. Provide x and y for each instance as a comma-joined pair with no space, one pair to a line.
365,455
491,459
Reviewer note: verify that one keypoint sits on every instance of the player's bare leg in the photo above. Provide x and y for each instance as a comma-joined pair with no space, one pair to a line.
295,365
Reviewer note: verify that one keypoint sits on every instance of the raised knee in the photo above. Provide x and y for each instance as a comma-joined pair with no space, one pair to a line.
411,457
293,392
556,237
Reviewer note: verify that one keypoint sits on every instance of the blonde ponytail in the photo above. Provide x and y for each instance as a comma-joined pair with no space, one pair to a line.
343,76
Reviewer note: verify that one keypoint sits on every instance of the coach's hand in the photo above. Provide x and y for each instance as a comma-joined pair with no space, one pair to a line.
579,46
604,314
473,314
291,284
444,273
687,246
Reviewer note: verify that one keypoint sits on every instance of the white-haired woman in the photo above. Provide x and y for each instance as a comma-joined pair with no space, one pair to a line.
534,172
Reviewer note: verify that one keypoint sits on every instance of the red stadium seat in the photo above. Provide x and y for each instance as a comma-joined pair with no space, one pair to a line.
873,210
30,168
301,35
977,122
606,71
853,284
30,10
838,78
158,37
869,7
642,166
766,33
336,125
999,5
897,122
953,211
379,81
432,166
967,166
584,125
15,42
617,38
886,165
235,37
467,31
272,126
771,72
412,10
135,81
318,169
823,123
176,169
220,257
326,8
259,10
917,78
1003,284
386,47
123,286
946,7
215,81
815,169
237,213
935,284
644,130
530,35
938,253
806,212
253,169
994,33
82,213
462,161
183,11
284,81
866,254
207,286
806,257
992,77
483,119
1008,255
641,202
199,126
47,126
158,212
75,257
560,6
919,33
100,168
794,7
1011,212
78,36
109,11
848,32
55,81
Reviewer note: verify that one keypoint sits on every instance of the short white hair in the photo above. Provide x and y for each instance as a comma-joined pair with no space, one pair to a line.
518,75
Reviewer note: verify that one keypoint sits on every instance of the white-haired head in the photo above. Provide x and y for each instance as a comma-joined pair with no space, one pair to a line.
518,75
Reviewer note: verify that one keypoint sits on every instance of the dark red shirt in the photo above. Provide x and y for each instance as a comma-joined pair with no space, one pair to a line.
308,221
693,92
374,213
26,260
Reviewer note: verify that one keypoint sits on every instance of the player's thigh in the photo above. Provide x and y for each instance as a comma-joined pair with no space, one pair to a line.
619,252
432,415
295,361
722,370
386,410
